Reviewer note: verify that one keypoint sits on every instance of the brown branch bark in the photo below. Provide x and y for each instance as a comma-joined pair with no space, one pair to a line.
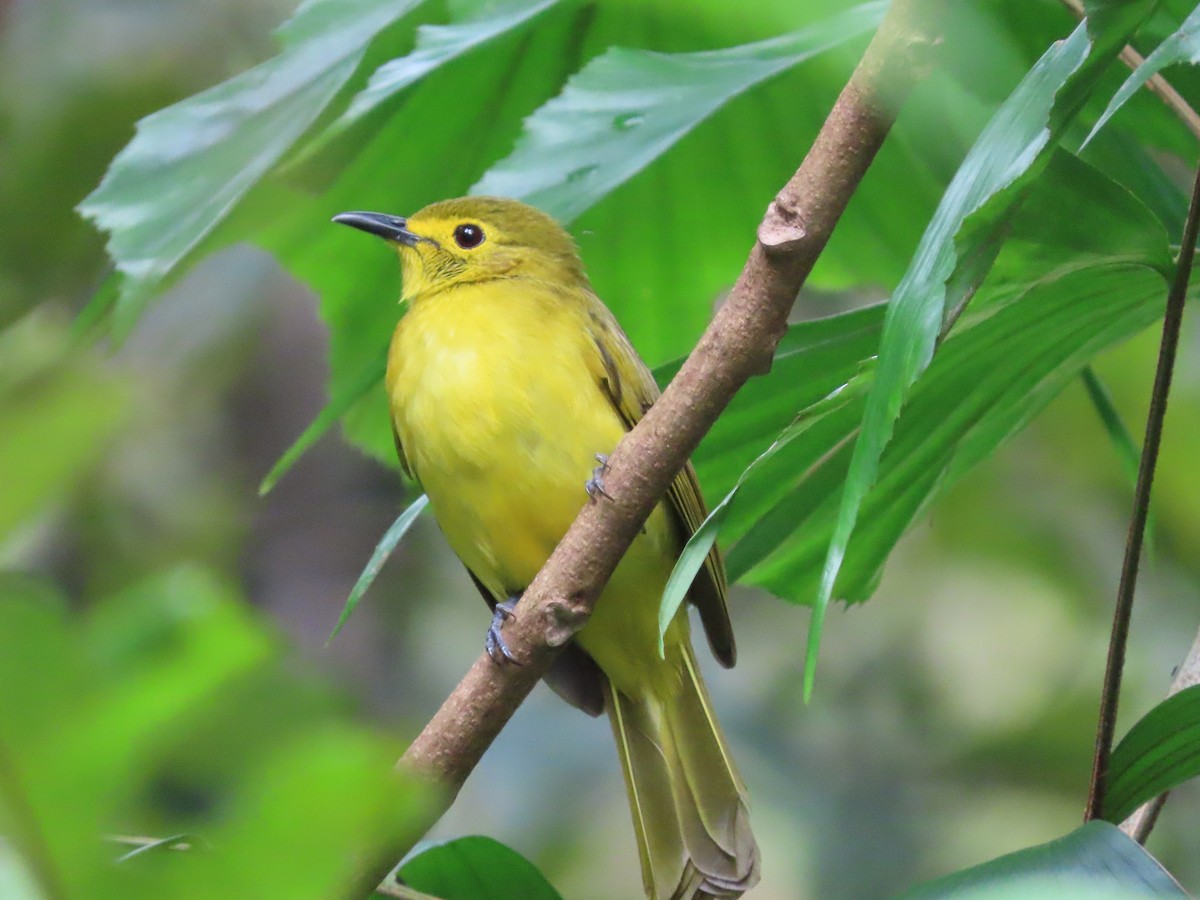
738,344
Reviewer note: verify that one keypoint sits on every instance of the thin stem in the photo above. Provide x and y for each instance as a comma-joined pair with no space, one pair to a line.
1141,505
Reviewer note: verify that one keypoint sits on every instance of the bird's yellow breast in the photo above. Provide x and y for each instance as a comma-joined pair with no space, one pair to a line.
500,417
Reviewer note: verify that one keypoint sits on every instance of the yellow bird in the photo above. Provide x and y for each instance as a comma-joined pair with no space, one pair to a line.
508,379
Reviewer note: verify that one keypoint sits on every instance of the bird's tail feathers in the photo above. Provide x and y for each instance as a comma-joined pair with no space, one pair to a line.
688,801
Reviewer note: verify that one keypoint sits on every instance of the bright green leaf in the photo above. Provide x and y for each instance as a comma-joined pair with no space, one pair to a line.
955,254
1182,46
626,108
978,391
1061,290
318,810
475,868
190,164
172,683
57,412
698,545
438,44
1161,751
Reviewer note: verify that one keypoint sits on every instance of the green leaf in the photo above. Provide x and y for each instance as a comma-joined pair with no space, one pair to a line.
173,685
1122,441
687,565
1181,46
1161,751
978,391
698,545
189,165
627,108
58,410
1061,291
317,811
1096,860
383,550
475,868
438,44
955,254
342,401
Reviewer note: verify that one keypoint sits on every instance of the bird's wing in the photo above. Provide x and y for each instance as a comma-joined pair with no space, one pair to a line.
628,384
404,465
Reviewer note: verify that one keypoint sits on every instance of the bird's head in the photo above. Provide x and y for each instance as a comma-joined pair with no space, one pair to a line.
473,239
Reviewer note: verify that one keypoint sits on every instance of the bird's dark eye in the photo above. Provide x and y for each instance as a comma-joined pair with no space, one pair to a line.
468,236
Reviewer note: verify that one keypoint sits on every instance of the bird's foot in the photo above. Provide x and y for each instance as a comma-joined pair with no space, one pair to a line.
595,484
493,642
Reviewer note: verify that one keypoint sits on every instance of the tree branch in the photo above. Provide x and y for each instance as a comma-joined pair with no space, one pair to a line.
738,344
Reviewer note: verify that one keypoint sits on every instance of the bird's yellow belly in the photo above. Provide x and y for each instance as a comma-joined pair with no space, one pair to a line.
504,453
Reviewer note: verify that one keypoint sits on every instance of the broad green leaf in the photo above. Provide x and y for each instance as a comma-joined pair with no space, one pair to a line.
383,550
1096,860
1060,292
44,683
173,684
814,361
317,811
125,683
1161,751
986,382
475,868
698,545
952,260
190,164
438,44
1182,46
814,358
625,109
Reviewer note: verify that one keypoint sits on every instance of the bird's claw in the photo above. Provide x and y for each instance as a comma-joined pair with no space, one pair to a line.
493,642
595,484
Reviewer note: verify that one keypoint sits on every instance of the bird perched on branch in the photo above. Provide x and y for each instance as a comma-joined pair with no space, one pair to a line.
507,379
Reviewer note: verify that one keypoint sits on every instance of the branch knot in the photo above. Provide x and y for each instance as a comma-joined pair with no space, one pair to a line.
782,228
564,617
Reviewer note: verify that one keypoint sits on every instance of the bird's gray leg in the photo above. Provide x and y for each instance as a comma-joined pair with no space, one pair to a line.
595,484
495,645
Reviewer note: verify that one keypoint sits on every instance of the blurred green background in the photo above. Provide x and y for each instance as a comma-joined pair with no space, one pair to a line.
954,714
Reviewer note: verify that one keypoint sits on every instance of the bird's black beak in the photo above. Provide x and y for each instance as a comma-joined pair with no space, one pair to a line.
390,228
